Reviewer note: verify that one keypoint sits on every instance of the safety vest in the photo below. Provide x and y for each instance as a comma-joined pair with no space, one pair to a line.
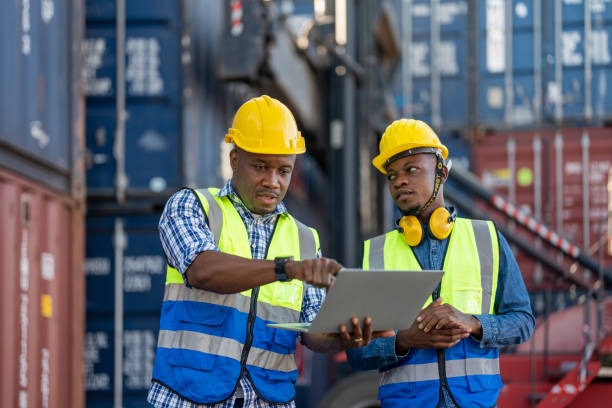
207,340
469,283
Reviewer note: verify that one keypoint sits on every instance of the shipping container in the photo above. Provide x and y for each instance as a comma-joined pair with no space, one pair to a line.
577,51
43,303
435,63
139,343
177,112
559,177
521,64
174,129
144,264
144,270
40,103
509,63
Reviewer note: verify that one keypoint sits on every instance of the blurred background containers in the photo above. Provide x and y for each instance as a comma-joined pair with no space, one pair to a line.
509,69
435,69
42,204
560,178
166,146
516,89
43,300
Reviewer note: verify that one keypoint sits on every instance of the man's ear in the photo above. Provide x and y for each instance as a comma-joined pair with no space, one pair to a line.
233,156
444,174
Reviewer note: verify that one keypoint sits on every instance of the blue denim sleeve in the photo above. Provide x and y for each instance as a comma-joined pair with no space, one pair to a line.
379,353
513,322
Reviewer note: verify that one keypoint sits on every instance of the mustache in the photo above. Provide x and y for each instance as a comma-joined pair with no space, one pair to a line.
265,191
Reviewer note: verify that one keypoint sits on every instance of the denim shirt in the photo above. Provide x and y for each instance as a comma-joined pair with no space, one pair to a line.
513,322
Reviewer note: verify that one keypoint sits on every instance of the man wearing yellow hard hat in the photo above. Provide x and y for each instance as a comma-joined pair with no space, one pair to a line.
237,260
449,357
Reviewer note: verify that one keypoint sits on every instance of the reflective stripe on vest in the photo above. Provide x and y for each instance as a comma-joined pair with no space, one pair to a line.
214,213
429,371
374,258
201,329
188,340
266,311
471,266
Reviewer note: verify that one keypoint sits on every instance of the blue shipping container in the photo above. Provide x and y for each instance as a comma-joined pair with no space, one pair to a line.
578,90
176,107
139,343
509,91
38,76
152,63
152,147
156,11
437,65
144,265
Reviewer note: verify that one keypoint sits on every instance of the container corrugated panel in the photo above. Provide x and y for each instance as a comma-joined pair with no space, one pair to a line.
560,177
508,81
41,246
153,95
37,77
144,264
153,139
438,63
139,343
144,269
577,90
177,109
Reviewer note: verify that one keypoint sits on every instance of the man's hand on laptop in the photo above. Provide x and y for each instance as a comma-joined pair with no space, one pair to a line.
318,272
359,336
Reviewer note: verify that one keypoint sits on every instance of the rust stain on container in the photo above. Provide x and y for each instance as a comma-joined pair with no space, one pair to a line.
41,247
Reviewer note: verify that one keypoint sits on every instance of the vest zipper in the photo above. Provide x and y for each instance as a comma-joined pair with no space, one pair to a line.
249,337
440,352
251,321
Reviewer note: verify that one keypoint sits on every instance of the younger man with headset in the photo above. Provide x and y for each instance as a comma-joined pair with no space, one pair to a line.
449,357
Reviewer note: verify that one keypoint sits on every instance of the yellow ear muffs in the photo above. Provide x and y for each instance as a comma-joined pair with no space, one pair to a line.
411,229
441,223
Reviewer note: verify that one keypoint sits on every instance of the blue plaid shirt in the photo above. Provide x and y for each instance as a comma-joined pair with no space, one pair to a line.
184,234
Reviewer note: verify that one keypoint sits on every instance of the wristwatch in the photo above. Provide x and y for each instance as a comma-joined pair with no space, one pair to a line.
279,268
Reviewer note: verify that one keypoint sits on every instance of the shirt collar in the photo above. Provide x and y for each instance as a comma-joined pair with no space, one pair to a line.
228,191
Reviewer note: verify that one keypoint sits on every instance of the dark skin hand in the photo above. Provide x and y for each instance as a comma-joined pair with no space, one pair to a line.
224,273
444,315
443,337
344,340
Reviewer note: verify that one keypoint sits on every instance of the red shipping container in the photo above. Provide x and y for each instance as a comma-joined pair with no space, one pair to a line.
42,299
561,178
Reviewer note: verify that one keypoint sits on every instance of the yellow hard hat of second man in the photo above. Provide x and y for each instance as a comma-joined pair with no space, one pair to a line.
264,125
407,135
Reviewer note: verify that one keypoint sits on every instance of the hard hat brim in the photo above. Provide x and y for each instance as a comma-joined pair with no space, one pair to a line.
380,160
235,137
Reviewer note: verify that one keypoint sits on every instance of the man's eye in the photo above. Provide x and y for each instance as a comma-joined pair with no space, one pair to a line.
284,172
391,177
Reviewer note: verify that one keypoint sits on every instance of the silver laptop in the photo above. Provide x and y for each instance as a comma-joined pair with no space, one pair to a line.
392,299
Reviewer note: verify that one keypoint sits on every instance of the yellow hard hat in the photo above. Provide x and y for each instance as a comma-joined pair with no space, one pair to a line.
407,135
264,125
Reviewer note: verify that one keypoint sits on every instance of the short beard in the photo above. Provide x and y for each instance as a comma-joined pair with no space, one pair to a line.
411,211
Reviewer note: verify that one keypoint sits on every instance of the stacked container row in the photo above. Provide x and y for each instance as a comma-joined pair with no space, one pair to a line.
41,204
506,64
174,125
